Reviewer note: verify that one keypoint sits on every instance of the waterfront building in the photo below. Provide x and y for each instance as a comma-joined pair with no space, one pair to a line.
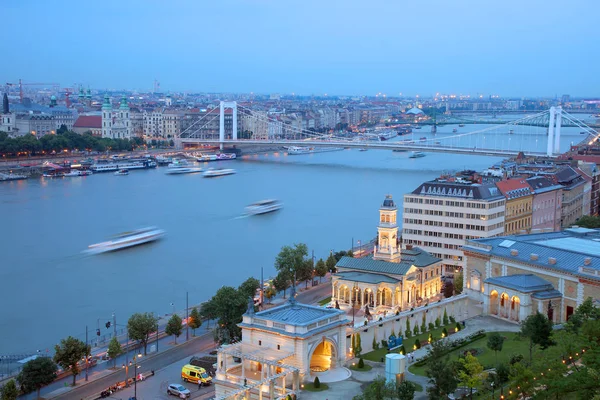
171,120
257,123
546,204
393,278
573,192
519,202
279,348
116,124
88,123
31,118
440,215
36,124
153,122
515,276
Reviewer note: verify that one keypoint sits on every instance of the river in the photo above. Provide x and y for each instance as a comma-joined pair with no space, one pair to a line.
50,290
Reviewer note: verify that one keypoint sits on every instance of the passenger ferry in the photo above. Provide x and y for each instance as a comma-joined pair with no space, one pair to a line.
182,167
264,207
11,177
212,173
112,166
127,239
162,160
216,157
417,154
75,172
294,150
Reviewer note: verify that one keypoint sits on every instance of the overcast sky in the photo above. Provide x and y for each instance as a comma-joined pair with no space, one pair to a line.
505,47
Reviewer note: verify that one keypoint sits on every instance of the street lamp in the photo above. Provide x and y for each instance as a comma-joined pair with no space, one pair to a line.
135,367
173,305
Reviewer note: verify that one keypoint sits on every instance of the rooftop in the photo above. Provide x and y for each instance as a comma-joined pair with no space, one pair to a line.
297,314
88,121
413,257
514,188
564,251
525,283
365,277
471,191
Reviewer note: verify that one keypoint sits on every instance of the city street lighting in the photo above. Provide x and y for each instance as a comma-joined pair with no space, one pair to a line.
173,305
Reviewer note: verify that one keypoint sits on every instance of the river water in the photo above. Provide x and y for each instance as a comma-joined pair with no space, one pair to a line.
50,290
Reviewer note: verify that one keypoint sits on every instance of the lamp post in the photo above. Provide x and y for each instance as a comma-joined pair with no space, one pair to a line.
354,290
173,305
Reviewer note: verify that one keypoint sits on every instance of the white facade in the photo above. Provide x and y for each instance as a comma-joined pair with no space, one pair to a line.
440,223
116,123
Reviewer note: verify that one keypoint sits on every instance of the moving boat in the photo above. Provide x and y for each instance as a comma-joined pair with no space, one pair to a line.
122,172
423,139
510,132
12,177
211,172
387,135
75,172
362,149
399,151
128,239
182,167
461,125
454,130
216,157
263,207
418,127
162,160
294,150
111,166
417,154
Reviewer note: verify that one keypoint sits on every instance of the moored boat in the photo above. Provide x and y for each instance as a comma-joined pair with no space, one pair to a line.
182,167
264,207
128,239
417,154
128,164
122,172
76,172
212,172
294,150
11,177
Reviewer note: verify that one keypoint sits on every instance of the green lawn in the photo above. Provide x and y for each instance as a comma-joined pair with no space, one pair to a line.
366,368
512,345
418,386
376,355
325,301
310,387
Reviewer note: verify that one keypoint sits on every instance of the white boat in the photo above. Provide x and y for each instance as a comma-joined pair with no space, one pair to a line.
263,207
122,172
417,154
387,135
128,239
211,172
294,150
182,167
216,157
75,172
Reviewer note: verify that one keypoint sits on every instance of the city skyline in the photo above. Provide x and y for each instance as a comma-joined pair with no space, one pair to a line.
308,48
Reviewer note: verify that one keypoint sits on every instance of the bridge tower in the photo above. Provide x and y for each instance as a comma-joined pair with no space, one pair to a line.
554,124
233,106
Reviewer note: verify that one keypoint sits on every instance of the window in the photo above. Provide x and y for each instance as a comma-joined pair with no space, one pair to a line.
278,347
260,342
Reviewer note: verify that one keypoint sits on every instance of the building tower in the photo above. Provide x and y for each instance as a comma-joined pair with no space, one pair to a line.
52,101
387,232
106,117
124,116
88,97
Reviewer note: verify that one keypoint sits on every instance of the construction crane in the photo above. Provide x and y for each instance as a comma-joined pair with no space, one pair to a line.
55,86
68,93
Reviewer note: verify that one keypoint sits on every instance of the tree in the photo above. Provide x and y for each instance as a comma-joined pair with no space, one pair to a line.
69,352
317,383
321,269
194,321
406,390
471,374
589,221
9,391
495,343
458,282
37,374
358,344
114,349
291,259
538,329
140,326
440,371
305,271
249,287
282,282
522,378
350,253
229,306
407,332
423,324
361,363
379,389
270,292
330,263
445,318
174,326
448,289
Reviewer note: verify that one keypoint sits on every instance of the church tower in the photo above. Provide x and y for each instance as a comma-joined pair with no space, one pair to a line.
106,117
387,232
124,116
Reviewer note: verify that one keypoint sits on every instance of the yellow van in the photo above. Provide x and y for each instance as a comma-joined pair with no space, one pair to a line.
191,373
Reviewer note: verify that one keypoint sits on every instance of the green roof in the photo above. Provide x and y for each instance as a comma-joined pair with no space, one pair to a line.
365,277
415,256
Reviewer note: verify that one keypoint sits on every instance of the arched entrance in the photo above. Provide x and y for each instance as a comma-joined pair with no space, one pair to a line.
504,305
369,298
344,294
515,308
494,302
323,356
386,297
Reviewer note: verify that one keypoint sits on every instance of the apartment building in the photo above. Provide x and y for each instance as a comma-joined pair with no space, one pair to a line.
519,205
441,214
573,192
171,122
546,204
153,122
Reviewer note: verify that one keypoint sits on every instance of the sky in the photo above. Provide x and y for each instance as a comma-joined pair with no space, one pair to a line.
506,47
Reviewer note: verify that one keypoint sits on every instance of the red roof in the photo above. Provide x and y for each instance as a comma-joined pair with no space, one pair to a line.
509,186
88,121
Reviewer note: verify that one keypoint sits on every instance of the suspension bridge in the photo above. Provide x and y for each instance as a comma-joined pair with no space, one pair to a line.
495,140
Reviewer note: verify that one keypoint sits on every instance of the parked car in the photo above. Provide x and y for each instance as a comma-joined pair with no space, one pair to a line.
178,390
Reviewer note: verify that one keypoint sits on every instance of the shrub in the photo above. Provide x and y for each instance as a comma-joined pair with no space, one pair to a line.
438,322
445,317
393,332
375,344
431,327
361,363
458,327
402,350
317,383
366,322
407,333
445,332
417,344
416,329
515,358
384,343
452,319
430,338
